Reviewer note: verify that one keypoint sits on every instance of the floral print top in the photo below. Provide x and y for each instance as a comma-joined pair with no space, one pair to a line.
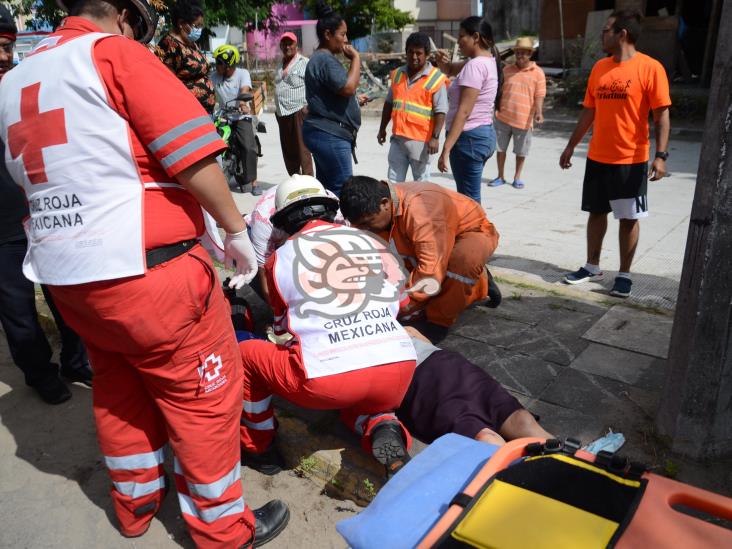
189,64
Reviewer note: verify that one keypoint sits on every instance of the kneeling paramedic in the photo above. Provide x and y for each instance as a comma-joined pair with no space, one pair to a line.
336,291
117,160
443,237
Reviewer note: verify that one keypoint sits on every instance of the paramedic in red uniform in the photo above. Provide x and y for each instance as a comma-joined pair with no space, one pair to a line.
336,291
117,159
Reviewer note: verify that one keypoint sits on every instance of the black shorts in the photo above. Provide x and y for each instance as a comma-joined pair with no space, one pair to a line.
450,394
618,188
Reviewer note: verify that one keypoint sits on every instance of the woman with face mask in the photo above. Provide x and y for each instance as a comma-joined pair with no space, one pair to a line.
178,50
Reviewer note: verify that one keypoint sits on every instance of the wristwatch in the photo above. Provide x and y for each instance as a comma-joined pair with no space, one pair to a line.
663,155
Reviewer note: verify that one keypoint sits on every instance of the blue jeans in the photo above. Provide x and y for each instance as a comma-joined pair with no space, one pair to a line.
468,157
332,157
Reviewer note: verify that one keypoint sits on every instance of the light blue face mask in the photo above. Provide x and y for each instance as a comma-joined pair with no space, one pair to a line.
195,34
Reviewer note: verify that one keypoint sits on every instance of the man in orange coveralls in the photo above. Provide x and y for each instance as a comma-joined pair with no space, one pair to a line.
443,237
117,159
336,291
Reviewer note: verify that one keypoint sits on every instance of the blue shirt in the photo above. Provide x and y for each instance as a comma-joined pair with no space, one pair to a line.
327,110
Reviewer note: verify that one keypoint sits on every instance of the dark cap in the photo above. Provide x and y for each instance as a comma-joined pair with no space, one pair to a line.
7,24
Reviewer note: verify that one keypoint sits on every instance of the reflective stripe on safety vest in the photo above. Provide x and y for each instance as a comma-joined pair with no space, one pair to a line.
411,113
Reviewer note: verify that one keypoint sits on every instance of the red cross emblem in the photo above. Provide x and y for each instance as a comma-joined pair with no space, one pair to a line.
35,131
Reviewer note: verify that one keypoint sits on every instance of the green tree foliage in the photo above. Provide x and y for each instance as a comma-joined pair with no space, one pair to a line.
237,13
361,14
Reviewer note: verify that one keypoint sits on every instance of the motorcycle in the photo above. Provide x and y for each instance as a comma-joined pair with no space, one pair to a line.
239,161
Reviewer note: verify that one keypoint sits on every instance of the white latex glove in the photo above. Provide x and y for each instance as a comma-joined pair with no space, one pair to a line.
239,256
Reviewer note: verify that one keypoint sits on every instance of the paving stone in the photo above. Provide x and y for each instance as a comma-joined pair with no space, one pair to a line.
613,363
525,374
559,348
565,422
633,330
586,393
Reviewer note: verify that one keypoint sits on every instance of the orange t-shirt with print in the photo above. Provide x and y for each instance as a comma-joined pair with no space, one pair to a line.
622,95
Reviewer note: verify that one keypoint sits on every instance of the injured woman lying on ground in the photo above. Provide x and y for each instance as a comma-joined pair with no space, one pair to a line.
450,394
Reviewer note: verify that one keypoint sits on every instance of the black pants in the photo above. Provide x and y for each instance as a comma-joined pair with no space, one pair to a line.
27,342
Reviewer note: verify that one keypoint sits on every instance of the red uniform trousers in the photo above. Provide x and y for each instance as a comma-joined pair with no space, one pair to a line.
365,397
166,369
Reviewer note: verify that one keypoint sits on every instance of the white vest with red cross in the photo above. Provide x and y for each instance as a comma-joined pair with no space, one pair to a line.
71,153
341,288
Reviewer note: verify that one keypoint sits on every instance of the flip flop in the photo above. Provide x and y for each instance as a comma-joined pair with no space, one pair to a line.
497,182
518,184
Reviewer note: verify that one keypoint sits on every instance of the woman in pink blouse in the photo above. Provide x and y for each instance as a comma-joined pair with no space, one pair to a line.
471,139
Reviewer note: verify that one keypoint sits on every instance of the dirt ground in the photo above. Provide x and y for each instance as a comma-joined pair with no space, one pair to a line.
54,488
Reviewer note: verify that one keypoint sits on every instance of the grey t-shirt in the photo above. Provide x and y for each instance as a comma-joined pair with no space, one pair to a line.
324,76
227,89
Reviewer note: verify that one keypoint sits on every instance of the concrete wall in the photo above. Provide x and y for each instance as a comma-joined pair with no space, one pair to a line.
510,19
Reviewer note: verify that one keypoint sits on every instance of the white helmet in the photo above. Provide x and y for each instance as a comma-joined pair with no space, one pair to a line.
144,27
297,200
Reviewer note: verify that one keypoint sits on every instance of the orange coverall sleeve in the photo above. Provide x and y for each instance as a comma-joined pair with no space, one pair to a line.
431,225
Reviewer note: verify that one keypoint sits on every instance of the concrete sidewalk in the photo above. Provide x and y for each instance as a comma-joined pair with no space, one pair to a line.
542,228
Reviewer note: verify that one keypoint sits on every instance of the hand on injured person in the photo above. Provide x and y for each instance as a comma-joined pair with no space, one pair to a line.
240,257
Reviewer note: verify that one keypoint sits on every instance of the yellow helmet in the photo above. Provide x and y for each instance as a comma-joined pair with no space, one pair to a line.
227,54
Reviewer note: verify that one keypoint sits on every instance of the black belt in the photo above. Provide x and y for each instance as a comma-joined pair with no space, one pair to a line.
156,256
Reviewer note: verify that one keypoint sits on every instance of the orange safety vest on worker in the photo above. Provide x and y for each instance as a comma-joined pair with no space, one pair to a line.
411,113
442,235
97,132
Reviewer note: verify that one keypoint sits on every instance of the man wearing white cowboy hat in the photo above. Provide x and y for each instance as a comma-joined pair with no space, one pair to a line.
522,103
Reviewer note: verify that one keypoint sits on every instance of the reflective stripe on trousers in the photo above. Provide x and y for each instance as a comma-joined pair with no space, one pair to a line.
209,491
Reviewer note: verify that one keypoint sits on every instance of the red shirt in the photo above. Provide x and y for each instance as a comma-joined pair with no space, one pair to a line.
169,130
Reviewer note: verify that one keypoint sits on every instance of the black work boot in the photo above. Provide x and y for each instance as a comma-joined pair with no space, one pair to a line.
494,292
52,389
271,520
270,462
388,447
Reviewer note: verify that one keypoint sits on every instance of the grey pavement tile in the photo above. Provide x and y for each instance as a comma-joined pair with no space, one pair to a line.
589,394
558,348
518,372
613,363
565,422
518,334
634,330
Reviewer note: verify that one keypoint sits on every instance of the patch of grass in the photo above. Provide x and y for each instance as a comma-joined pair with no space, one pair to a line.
305,467
516,296
370,489
670,468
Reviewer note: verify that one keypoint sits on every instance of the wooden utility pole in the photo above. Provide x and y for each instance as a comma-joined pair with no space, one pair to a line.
696,406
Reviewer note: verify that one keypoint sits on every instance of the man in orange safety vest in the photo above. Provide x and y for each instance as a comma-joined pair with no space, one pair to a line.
416,105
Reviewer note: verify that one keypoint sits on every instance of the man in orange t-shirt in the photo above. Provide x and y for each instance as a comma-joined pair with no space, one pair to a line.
621,91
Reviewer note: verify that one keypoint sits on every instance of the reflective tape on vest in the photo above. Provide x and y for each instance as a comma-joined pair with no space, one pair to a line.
434,80
146,460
